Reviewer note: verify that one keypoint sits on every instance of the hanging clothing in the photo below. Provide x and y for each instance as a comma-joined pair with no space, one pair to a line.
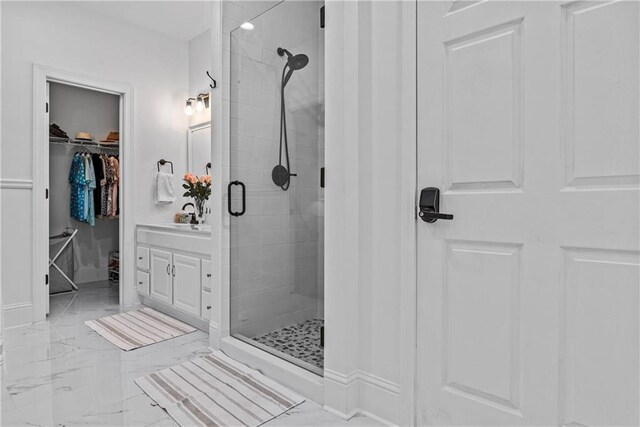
110,181
97,194
77,179
104,186
116,184
90,187
94,183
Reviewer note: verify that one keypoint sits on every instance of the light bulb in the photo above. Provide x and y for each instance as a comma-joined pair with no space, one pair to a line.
188,110
247,26
200,105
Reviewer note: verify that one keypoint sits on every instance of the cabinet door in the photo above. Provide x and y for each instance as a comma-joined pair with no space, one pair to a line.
186,284
161,284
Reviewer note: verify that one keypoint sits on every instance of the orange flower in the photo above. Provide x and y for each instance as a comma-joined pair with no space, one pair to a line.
206,179
189,177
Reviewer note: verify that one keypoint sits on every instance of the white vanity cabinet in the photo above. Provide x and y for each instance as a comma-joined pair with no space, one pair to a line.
174,272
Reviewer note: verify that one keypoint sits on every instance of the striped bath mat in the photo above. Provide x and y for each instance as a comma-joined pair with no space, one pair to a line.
215,390
138,328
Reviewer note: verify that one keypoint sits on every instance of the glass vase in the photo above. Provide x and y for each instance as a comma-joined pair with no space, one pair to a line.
200,204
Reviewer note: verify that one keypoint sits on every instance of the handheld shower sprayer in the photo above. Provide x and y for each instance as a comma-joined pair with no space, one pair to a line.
281,174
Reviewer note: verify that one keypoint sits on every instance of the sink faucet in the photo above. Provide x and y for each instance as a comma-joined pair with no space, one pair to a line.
193,215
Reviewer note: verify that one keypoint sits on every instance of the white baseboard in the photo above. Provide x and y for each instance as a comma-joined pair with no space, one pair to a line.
362,393
341,393
214,336
17,315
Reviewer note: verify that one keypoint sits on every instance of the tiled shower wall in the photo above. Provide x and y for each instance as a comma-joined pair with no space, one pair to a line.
276,248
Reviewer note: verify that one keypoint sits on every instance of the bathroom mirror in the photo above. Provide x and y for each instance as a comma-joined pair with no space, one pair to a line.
199,148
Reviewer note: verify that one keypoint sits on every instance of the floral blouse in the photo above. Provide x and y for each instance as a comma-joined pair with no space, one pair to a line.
78,181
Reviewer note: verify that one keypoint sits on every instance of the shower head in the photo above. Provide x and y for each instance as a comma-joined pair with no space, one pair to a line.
295,62
298,62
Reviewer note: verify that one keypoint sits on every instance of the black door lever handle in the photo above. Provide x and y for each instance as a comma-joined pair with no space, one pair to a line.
427,214
430,206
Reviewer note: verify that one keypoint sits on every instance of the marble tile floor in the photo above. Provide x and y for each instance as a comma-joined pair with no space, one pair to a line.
61,373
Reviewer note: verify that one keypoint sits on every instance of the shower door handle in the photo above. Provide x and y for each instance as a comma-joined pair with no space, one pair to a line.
244,198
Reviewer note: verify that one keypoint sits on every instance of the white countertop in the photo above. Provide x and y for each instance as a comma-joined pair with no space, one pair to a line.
183,228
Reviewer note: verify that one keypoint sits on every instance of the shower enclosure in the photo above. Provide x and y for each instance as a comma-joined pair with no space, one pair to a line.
275,203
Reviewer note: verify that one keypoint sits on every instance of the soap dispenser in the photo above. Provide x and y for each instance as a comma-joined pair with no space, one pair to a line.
184,217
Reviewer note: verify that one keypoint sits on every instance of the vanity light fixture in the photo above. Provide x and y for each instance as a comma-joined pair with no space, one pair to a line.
247,26
188,109
201,104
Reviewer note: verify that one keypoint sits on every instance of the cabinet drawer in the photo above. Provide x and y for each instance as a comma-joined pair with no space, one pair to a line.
206,305
206,275
143,282
143,258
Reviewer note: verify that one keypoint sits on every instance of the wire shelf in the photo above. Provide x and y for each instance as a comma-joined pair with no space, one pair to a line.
90,148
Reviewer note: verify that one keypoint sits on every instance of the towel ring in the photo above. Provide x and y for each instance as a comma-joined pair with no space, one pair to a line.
164,162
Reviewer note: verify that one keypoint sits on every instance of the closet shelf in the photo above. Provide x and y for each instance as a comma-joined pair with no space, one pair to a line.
100,149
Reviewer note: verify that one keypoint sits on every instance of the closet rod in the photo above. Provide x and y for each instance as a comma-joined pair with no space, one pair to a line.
98,149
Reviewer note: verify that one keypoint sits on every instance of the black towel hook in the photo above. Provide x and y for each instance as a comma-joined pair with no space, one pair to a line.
163,162
215,84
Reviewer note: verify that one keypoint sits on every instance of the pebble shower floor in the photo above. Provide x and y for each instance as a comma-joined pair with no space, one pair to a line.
301,341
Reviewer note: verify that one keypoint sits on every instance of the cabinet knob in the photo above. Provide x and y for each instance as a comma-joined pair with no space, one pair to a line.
140,258
208,307
208,274
139,283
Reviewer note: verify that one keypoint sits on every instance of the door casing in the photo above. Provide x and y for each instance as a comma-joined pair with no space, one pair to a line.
40,213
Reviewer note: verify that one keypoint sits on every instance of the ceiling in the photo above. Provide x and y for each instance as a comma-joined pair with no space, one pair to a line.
183,20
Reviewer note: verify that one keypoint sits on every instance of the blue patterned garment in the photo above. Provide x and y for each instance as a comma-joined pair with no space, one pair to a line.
78,181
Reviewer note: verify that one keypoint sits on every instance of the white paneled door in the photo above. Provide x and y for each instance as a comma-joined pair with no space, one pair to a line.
528,300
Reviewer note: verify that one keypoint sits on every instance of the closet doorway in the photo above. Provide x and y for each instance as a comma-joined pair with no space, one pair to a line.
83,234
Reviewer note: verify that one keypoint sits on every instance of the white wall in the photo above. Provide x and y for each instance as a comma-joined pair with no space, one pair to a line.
199,64
1,281
62,36
370,125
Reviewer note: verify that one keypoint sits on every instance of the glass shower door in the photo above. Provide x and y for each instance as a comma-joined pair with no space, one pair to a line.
276,156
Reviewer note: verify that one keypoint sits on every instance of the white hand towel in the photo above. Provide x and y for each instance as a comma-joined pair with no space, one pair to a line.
164,188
